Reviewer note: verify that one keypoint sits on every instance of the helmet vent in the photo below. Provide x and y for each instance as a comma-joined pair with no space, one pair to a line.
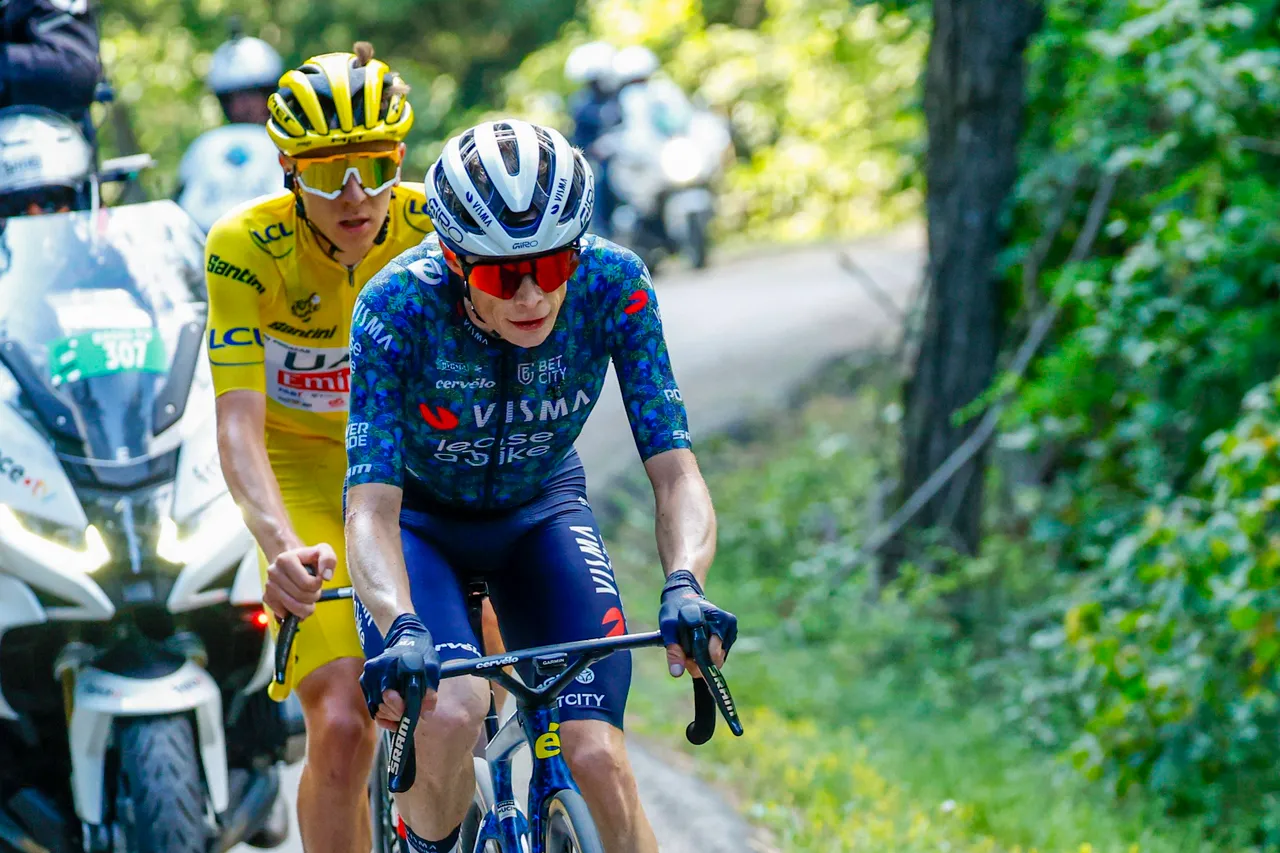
575,192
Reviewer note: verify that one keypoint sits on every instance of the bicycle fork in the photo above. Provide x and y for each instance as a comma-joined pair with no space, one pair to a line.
540,729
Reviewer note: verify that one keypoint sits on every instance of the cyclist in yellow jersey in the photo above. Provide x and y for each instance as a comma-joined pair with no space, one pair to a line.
283,274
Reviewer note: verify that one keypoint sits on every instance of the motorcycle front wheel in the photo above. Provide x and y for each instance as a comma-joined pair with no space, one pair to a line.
160,784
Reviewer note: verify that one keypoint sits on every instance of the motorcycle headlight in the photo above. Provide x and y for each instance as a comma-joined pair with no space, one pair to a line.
200,537
681,160
39,544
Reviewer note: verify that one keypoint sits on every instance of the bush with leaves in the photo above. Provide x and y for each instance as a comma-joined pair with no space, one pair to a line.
1164,330
1181,639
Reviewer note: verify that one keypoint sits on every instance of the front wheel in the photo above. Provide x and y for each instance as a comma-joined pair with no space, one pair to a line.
568,826
162,791
382,808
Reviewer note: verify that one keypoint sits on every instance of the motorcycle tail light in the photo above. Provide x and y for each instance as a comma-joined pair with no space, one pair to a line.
258,618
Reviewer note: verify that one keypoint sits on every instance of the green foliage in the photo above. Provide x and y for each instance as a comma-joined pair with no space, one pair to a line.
1161,491
821,96
869,718
1180,642
455,57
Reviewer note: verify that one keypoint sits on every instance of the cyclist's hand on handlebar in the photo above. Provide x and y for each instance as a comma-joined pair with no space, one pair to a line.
408,650
295,577
683,609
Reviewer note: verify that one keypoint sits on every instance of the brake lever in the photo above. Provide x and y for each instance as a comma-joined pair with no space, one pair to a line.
711,686
402,767
289,631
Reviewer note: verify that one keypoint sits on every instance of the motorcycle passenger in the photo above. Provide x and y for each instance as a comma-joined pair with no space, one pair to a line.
476,358
594,109
283,275
46,164
50,57
230,165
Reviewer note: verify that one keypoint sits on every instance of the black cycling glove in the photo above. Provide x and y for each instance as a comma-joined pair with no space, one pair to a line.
684,608
408,650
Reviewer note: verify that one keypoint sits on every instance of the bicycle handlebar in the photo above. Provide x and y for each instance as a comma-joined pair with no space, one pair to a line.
289,630
711,692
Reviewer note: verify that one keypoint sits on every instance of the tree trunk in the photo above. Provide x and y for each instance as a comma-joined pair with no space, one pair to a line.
974,91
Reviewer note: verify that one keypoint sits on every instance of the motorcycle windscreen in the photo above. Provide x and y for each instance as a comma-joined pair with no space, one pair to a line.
108,309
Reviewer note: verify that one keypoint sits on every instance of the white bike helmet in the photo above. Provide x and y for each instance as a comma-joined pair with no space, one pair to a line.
508,188
590,63
634,64
244,63
225,167
43,154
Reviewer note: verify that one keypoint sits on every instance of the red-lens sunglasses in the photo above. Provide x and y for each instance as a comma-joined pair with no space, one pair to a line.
502,278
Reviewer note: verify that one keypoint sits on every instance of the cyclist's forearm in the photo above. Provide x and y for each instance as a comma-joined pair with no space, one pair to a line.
685,520
375,558
247,471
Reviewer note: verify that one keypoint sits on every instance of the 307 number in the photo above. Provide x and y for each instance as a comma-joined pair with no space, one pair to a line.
125,355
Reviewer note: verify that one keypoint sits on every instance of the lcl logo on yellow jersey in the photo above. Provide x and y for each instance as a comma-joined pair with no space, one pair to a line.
267,239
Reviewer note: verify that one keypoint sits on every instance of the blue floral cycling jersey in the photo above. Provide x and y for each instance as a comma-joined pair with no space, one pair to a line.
440,409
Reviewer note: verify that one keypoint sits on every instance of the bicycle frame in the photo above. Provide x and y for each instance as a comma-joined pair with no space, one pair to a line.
536,724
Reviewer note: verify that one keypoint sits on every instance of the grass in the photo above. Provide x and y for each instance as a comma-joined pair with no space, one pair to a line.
857,737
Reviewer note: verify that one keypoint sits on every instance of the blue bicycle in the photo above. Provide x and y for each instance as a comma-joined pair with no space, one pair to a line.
558,820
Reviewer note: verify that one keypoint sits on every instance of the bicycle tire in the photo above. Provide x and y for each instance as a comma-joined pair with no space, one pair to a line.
481,805
385,818
568,827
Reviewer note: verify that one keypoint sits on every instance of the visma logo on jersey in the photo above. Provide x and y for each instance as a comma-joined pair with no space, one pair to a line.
522,411
514,448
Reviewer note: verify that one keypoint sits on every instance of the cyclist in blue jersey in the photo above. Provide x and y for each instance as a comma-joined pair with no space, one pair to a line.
475,360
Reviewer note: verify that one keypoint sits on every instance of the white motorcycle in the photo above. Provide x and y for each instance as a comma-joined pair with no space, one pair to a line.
133,644
663,161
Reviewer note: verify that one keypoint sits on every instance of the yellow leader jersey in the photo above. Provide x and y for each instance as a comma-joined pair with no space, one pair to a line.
280,308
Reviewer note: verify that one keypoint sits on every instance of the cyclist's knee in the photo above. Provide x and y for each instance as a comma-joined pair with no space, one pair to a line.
341,737
459,713
597,756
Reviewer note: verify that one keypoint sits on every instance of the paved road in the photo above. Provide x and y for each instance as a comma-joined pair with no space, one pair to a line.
742,335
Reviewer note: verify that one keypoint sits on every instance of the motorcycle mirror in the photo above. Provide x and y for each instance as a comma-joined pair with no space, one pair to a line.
124,168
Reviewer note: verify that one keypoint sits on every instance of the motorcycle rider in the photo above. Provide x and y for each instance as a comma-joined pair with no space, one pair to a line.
50,57
633,66
594,109
229,165
46,164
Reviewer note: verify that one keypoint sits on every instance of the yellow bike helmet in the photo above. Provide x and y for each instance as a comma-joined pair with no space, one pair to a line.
338,99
